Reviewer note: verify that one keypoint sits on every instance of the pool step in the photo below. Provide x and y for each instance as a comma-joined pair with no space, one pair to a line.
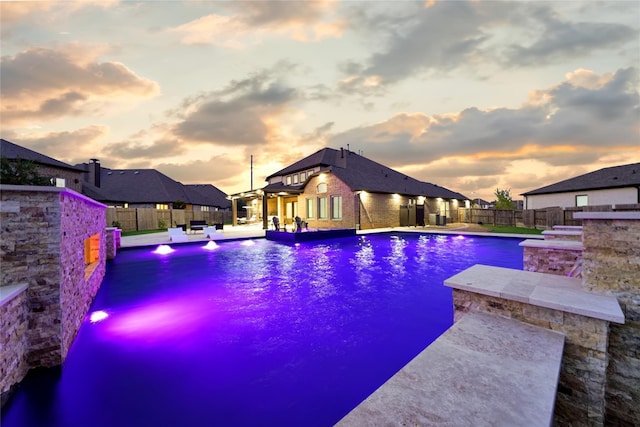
484,370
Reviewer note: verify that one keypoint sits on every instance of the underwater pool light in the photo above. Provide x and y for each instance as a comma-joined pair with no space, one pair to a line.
98,316
248,243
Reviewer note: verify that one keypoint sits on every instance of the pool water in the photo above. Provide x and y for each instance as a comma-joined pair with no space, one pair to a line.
258,334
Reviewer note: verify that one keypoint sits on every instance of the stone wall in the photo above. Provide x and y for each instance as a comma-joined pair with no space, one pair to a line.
335,187
13,324
80,218
42,245
611,263
550,260
581,389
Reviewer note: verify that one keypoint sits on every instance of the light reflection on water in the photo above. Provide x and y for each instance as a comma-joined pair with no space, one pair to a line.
267,334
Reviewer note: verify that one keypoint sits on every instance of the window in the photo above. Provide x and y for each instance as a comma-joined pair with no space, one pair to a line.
60,182
288,180
310,208
322,188
204,208
296,178
322,208
336,207
582,200
161,206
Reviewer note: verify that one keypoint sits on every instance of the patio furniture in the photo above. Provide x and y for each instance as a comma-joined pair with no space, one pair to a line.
177,235
197,224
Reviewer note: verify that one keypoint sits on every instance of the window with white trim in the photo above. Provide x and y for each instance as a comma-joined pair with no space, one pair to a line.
336,207
311,208
322,208
582,200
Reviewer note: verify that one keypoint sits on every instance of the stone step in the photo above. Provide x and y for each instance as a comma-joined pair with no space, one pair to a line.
484,370
562,234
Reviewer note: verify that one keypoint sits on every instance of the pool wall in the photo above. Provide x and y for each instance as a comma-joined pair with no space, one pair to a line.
307,236
44,235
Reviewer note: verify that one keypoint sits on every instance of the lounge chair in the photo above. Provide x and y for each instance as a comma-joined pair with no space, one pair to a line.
176,234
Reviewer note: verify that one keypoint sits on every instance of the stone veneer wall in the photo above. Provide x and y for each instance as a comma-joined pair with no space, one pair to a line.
42,245
611,263
581,388
13,324
550,260
80,218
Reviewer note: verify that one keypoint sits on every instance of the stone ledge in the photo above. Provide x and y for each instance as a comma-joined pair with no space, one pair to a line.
7,293
484,370
607,215
539,289
574,245
562,233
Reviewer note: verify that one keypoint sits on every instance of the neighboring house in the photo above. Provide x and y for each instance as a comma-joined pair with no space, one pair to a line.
609,186
61,174
341,189
147,188
482,204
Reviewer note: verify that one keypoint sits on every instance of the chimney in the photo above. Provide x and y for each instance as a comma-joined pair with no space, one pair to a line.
94,169
341,152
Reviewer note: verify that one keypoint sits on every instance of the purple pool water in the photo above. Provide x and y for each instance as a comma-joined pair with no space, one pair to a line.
261,335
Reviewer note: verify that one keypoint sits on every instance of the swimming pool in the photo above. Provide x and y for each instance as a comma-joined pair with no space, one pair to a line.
253,334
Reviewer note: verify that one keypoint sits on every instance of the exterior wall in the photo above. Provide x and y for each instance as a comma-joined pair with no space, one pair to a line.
611,263
335,187
380,210
13,324
80,218
581,388
612,196
73,180
42,245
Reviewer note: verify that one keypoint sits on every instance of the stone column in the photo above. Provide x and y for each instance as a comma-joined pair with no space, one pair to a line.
611,264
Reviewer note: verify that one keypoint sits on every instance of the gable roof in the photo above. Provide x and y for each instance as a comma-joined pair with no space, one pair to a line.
150,186
363,174
16,152
611,177
207,195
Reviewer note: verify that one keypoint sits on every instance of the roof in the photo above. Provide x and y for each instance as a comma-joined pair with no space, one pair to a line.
151,186
363,174
13,151
612,177
207,195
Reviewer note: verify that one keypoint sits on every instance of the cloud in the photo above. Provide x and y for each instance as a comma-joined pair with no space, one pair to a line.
246,112
44,84
127,150
250,22
69,146
557,40
469,37
566,123
221,171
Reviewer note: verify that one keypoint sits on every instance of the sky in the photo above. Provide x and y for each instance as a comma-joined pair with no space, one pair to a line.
473,96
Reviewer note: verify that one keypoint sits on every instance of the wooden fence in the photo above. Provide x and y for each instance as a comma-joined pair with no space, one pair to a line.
135,219
535,218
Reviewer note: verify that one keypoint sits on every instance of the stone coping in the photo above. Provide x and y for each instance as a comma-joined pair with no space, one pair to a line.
574,245
538,289
561,232
607,215
484,370
7,293
568,227
51,189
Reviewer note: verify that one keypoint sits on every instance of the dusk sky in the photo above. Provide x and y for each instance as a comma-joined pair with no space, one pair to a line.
472,96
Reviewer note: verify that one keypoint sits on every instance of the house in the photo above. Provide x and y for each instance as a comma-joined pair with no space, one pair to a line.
608,186
147,188
61,174
341,189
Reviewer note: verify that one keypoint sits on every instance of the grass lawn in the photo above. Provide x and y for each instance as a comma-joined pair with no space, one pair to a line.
514,230
135,233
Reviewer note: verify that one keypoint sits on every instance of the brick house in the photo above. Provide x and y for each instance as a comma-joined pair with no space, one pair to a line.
341,189
61,174
608,186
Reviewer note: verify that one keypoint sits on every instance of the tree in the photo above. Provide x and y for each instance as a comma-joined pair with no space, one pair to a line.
21,172
503,199
179,204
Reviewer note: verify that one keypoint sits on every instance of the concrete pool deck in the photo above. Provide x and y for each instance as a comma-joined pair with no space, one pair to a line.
255,231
